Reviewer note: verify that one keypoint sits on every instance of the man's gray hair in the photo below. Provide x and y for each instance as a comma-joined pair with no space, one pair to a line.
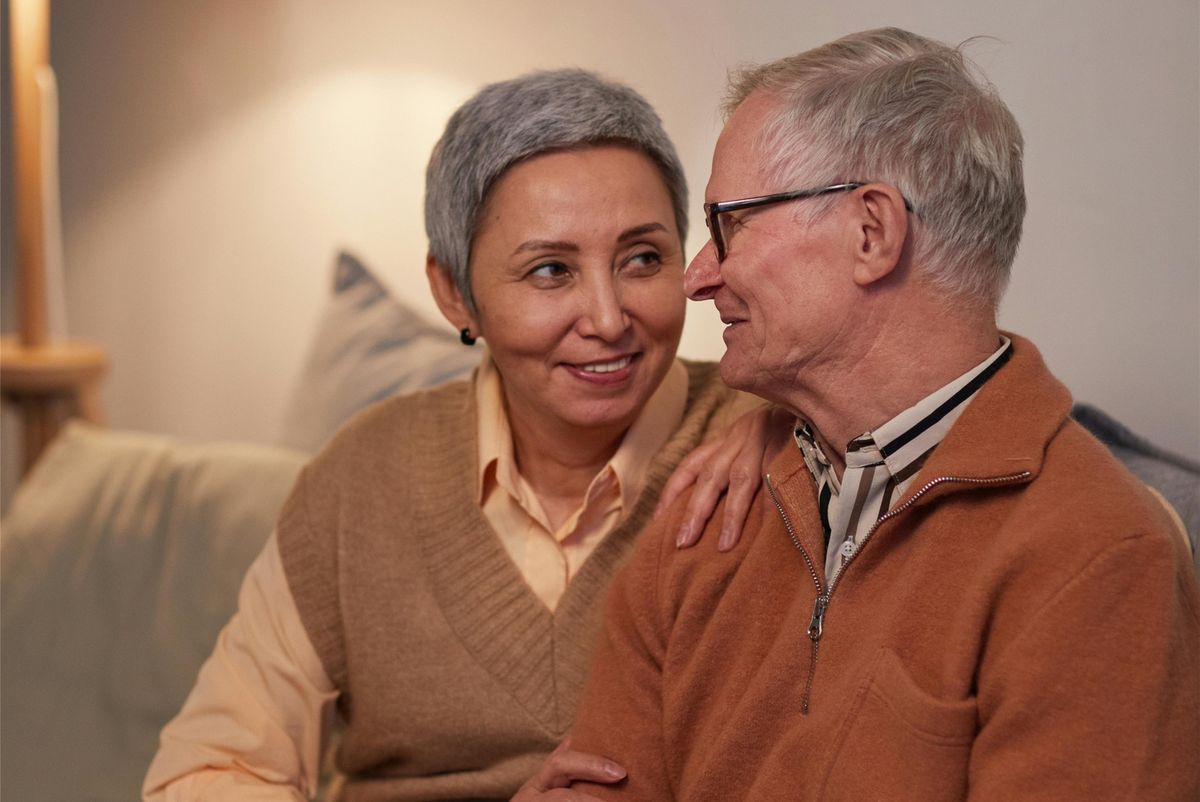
514,120
891,106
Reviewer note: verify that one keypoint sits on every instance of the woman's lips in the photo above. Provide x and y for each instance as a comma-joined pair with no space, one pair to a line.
606,371
607,367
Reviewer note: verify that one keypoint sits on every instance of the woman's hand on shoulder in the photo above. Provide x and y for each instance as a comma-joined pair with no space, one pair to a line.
563,766
729,465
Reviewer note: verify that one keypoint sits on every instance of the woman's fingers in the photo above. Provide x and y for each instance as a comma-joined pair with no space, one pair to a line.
685,475
711,482
730,465
745,476
562,767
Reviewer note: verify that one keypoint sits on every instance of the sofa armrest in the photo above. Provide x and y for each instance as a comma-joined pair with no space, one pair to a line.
121,556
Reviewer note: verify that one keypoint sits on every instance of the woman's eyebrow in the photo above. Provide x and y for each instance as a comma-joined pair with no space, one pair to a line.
638,231
546,245
571,247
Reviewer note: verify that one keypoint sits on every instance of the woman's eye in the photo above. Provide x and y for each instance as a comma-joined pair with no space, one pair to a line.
549,271
645,262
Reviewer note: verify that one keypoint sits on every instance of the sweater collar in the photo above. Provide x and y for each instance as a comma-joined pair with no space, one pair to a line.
1009,425
1004,431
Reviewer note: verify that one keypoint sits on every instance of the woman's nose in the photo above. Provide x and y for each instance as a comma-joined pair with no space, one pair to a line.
703,277
605,315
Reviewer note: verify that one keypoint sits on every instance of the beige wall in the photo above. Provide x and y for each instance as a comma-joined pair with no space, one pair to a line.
215,154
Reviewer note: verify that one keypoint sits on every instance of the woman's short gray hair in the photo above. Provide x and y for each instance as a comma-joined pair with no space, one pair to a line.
891,106
513,120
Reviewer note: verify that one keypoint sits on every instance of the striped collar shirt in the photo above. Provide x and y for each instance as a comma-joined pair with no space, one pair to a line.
881,464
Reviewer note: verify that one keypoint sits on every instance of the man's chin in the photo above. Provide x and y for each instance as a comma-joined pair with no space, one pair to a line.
735,372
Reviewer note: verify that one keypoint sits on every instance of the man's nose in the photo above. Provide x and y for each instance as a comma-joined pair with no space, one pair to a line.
703,277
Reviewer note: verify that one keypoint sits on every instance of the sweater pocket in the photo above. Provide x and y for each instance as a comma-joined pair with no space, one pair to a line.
901,743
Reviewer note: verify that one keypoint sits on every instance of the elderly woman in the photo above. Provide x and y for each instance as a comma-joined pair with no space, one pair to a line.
435,580
436,576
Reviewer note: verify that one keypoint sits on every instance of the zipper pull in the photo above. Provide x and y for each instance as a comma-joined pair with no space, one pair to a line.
817,624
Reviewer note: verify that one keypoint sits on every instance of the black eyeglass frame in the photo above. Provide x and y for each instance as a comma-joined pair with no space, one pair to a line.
713,210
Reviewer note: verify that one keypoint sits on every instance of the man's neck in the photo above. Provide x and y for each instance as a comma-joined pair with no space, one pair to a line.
889,373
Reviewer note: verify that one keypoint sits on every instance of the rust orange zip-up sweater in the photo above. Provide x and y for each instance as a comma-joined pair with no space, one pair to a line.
1023,626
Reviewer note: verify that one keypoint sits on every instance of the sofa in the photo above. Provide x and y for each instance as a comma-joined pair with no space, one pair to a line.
122,552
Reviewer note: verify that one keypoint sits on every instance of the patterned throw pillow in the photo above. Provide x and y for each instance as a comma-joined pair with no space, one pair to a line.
369,345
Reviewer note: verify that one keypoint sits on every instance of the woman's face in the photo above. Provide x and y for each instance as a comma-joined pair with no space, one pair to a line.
577,272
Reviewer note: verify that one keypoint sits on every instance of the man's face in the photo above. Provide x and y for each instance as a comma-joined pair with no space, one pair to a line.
784,290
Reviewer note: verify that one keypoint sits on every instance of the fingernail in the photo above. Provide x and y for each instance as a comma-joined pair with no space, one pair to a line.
684,537
614,771
725,543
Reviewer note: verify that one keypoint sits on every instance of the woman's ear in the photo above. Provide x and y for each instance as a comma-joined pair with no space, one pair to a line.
883,228
448,297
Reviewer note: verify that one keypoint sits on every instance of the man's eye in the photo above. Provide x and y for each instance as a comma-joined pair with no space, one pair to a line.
730,223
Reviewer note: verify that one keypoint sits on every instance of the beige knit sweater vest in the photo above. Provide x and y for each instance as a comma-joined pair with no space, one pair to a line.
456,680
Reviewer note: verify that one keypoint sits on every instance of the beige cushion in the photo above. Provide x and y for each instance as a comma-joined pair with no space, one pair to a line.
121,557
369,345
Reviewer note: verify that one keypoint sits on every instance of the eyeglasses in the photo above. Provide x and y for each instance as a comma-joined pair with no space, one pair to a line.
713,211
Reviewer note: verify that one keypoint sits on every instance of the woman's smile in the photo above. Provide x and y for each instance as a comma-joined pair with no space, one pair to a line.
609,372
577,272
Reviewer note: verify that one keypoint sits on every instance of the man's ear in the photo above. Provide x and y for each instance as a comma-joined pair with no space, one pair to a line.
447,296
882,230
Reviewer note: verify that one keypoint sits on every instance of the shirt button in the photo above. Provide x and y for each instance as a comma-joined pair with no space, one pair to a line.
847,548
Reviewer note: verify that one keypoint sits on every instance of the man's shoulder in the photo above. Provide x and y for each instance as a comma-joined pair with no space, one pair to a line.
694,581
1078,494
1081,504
1090,483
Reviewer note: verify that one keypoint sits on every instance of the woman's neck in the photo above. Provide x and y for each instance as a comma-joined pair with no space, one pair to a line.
560,462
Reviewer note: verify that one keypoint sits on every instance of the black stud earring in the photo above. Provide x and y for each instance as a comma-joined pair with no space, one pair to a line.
465,336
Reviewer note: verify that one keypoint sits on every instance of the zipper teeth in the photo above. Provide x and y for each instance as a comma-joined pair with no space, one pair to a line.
816,578
825,595
892,513
816,648
787,524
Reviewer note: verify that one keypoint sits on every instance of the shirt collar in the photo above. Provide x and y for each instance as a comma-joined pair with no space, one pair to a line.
903,442
814,456
658,420
497,465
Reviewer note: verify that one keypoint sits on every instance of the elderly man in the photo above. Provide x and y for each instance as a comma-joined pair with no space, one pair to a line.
947,590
